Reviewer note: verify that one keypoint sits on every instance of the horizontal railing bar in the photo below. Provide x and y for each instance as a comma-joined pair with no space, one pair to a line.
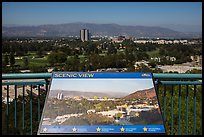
162,82
48,75
26,75
176,76
24,83
181,82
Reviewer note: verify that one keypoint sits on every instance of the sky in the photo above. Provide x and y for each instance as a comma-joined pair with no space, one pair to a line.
101,85
122,13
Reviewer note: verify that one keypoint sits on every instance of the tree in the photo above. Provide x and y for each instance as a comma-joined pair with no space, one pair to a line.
73,64
112,49
162,52
142,55
57,57
153,64
130,57
6,60
25,61
12,59
61,57
39,53
38,69
142,68
52,58
130,67
94,62
194,71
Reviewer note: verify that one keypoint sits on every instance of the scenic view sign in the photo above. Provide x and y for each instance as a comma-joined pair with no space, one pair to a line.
93,102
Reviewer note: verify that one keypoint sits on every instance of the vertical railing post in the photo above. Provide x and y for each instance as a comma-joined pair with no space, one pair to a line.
31,90
23,104
194,118
38,103
186,109
165,103
47,83
7,110
172,110
15,109
156,85
179,113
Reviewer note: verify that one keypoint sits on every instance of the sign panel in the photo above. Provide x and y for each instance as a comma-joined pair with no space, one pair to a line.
101,103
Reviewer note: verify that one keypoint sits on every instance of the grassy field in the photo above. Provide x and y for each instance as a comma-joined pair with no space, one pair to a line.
33,61
154,53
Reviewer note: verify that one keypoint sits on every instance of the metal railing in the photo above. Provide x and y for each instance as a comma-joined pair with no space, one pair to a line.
172,89
179,96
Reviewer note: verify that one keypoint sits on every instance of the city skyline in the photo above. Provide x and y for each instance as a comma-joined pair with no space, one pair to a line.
122,13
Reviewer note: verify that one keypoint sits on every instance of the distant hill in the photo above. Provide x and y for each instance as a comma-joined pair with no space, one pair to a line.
183,28
147,93
73,29
53,93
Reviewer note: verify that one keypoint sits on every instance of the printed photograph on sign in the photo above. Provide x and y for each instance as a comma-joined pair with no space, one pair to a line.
101,101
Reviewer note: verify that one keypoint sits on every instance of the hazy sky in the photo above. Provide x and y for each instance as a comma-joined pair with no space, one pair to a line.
123,13
102,85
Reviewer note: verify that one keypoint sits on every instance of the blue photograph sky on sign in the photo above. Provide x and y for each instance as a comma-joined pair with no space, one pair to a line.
102,85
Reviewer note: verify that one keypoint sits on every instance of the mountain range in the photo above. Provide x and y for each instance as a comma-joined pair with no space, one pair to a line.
183,28
87,94
146,93
73,29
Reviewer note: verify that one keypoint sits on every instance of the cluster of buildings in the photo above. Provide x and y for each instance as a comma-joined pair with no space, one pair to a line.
111,70
196,63
128,110
158,59
196,60
125,110
120,39
181,68
161,41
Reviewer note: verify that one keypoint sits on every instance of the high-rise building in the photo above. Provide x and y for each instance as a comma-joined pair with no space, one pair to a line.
84,35
60,96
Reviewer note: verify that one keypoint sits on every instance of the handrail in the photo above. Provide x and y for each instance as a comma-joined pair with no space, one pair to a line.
177,76
26,75
48,75
25,82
